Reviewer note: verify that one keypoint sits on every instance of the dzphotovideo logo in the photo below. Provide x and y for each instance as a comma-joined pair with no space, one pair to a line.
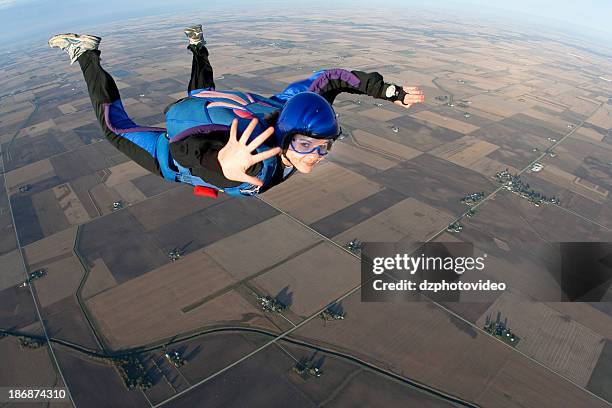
449,271
453,272
412,264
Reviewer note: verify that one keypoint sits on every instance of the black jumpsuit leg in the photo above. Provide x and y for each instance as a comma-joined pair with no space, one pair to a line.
103,91
201,70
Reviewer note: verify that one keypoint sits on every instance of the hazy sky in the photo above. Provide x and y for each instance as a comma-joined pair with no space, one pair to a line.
37,18
593,14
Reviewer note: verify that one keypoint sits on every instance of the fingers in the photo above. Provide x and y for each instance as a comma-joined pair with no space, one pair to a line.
247,132
255,143
415,94
234,131
266,155
414,99
413,90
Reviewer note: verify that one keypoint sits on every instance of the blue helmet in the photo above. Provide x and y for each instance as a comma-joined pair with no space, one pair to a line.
309,114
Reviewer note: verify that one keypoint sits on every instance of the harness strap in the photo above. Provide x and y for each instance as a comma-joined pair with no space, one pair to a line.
203,188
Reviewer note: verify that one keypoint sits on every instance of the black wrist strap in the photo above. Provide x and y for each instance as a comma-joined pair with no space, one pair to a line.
401,95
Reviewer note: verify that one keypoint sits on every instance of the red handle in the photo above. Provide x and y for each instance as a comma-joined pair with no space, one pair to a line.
203,191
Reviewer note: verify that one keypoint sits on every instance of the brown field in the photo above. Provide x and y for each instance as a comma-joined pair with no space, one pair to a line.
278,238
49,215
65,320
567,180
149,307
260,381
380,114
580,105
497,106
303,277
515,91
482,82
489,167
57,245
26,367
526,231
124,172
548,336
373,390
71,205
465,152
543,102
347,152
446,122
160,367
154,323
588,134
486,115
552,86
416,78
67,108
99,279
408,219
555,122
413,132
602,118
213,352
102,381
104,197
37,129
14,106
521,383
389,147
129,193
12,270
15,118
63,277
591,186
346,382
587,315
153,213
427,344
271,369
72,121
29,174
302,197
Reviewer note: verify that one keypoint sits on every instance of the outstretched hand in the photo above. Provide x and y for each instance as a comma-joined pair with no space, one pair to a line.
236,158
413,95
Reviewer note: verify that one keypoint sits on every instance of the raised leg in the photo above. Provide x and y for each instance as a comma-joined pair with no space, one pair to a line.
201,70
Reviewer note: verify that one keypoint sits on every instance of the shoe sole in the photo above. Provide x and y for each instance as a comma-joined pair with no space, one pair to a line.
71,38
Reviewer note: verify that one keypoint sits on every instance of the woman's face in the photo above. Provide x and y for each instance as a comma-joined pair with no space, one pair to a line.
305,152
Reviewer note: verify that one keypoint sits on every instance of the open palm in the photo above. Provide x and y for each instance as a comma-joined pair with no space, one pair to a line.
413,95
236,156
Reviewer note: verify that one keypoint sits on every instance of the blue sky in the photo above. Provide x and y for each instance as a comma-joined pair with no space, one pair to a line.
39,18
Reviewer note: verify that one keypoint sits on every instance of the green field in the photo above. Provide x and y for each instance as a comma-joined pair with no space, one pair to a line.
407,53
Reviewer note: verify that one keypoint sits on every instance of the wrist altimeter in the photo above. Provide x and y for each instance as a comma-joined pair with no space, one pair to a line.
395,93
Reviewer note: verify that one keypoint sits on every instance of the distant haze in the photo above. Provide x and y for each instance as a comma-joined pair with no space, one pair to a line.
37,19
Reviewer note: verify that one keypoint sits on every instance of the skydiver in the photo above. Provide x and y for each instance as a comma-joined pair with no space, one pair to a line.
200,144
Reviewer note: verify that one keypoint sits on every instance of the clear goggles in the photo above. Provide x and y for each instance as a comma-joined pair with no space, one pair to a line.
305,145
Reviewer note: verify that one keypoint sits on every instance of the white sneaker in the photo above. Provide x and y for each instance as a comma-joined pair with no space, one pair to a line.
195,35
75,45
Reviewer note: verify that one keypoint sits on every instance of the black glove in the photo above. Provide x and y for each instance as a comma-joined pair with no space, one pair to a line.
395,93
